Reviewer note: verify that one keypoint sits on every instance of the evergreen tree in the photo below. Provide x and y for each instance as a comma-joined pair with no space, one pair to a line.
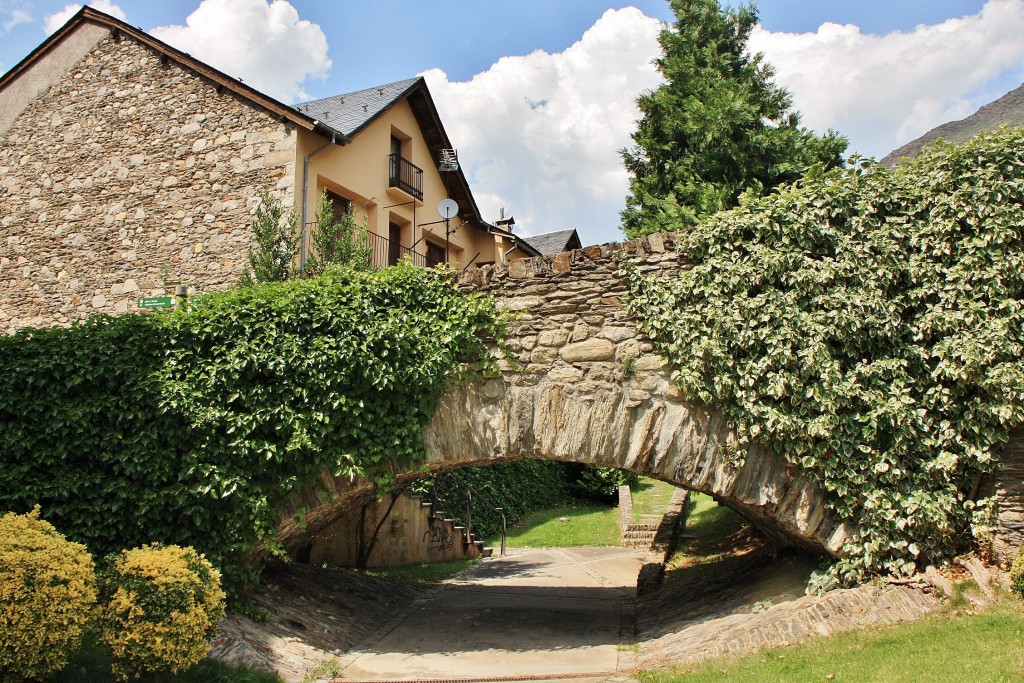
717,128
337,240
278,237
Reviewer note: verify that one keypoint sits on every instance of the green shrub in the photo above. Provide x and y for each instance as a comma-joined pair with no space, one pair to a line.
600,483
1017,574
47,597
518,487
198,426
868,327
160,605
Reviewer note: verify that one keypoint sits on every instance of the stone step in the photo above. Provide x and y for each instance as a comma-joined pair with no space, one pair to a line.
639,534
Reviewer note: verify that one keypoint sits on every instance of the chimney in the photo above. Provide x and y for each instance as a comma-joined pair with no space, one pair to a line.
504,223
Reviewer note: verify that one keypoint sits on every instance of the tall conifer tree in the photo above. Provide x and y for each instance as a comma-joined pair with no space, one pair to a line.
718,126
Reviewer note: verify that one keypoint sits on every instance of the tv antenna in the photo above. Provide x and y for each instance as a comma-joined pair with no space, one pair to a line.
447,209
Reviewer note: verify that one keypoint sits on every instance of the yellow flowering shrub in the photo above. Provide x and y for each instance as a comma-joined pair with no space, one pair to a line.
159,606
47,597
1017,573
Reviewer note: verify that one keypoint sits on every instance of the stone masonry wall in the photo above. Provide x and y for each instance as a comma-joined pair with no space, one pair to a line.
127,177
571,321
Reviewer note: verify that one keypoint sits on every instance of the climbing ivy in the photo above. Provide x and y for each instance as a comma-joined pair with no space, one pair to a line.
867,325
195,428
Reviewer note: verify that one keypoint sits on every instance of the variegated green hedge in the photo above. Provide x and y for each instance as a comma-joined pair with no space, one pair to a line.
191,429
868,325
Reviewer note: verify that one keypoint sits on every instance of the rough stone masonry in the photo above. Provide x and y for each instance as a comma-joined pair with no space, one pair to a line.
152,185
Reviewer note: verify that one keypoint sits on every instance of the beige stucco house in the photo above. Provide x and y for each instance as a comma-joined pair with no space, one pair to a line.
128,167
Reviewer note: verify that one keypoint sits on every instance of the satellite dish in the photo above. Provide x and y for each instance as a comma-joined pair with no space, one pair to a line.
447,208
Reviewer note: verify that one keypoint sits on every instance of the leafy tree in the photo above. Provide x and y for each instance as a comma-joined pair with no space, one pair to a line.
868,326
337,241
278,241
717,128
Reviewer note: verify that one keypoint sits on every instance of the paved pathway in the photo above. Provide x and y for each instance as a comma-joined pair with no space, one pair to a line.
531,615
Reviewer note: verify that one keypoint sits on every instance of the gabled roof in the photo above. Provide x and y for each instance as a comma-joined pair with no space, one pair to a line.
169,54
553,242
347,116
351,112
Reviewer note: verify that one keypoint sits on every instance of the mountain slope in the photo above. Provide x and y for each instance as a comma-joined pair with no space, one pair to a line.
1008,109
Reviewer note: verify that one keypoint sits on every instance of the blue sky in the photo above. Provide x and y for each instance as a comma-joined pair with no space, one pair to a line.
538,94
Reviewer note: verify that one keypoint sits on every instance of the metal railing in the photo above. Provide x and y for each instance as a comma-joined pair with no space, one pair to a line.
405,175
385,252
470,493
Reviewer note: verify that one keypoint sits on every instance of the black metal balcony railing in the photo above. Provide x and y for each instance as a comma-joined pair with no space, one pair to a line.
385,252
405,175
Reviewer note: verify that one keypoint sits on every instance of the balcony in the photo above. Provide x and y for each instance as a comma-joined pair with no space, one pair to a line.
383,252
405,175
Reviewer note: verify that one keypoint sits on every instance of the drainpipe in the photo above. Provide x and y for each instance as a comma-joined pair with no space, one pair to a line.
504,257
305,192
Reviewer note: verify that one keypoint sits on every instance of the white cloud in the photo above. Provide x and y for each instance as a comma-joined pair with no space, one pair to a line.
13,17
267,45
885,90
55,21
540,134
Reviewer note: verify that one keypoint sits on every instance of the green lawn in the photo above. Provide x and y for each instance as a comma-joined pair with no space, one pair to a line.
718,535
986,647
651,497
575,524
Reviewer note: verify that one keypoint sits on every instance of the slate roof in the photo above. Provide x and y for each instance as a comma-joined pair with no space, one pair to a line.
351,112
553,242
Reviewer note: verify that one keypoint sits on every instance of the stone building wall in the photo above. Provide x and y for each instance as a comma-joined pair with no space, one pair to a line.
124,178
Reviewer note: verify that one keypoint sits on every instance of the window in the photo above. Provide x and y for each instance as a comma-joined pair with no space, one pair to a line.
394,243
339,205
435,254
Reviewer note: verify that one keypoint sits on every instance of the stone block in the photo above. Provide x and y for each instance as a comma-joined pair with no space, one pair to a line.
565,374
519,269
649,363
543,356
521,303
552,338
593,349
560,263
581,332
617,334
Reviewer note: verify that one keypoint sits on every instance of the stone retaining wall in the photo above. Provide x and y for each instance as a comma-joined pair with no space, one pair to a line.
153,185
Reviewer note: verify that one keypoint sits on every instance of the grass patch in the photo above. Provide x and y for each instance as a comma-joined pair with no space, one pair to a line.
718,534
424,573
574,524
651,497
92,663
981,647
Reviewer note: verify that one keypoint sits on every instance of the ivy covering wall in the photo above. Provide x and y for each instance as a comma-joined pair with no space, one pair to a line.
869,326
192,428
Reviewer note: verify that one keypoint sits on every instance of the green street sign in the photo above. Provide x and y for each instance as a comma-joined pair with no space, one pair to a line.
156,302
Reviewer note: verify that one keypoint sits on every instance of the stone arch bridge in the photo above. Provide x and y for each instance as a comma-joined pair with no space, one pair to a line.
584,385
